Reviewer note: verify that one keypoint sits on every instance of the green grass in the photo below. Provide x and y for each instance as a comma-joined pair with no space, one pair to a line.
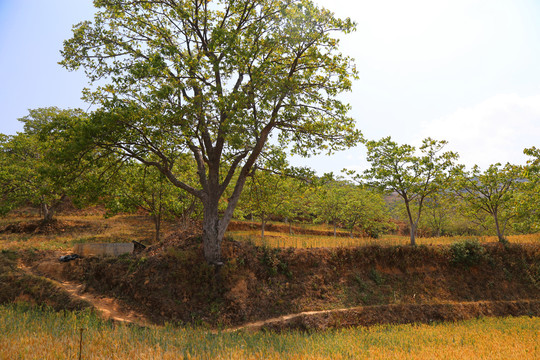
29,333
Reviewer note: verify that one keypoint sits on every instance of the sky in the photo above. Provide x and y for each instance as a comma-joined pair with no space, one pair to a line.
465,71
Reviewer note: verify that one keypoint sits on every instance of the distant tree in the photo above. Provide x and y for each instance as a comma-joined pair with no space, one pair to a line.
364,209
396,168
274,189
138,186
343,204
32,169
214,80
492,191
329,201
440,208
528,196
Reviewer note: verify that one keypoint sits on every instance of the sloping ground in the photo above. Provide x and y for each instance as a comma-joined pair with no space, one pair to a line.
17,285
395,314
385,284
107,307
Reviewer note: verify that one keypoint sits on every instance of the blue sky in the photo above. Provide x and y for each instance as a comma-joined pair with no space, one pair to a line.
466,71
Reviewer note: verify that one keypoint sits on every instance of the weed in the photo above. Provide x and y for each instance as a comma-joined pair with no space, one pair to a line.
272,262
135,264
362,285
376,276
467,252
10,255
507,274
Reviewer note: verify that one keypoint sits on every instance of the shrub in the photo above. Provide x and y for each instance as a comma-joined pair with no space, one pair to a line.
467,252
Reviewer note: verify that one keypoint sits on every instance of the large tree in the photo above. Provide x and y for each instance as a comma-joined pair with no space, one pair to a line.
414,177
217,80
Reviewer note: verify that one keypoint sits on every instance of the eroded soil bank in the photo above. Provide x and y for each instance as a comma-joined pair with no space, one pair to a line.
172,283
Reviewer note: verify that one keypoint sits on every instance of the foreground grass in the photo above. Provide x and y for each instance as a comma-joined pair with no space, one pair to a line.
29,333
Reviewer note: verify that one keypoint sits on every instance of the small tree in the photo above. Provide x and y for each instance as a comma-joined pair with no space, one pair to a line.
440,208
274,189
329,201
492,191
138,186
364,209
396,168
528,198
32,169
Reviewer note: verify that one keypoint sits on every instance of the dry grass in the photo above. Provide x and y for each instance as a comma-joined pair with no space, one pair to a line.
125,228
36,334
79,229
275,239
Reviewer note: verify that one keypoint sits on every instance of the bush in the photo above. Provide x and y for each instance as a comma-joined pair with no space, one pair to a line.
466,252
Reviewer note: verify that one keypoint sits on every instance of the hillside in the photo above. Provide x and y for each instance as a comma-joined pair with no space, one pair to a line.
390,284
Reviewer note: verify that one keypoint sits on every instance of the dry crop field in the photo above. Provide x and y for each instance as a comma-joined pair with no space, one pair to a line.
277,239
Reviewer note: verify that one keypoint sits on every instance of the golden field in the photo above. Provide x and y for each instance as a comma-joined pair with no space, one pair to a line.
276,239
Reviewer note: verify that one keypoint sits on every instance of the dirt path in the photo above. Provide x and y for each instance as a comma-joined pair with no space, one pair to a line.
284,320
108,308
396,314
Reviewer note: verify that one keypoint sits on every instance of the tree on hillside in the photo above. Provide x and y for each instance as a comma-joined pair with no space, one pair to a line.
270,193
215,80
31,168
492,191
440,209
365,210
396,168
528,197
138,186
329,200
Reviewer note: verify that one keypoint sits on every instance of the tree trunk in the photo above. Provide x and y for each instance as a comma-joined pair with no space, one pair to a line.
334,228
412,225
212,238
263,224
157,226
500,234
413,234
48,213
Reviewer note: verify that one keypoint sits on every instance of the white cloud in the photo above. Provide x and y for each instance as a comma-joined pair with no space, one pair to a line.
495,130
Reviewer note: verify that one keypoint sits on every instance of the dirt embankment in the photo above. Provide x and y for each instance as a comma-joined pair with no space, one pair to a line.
17,285
392,284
